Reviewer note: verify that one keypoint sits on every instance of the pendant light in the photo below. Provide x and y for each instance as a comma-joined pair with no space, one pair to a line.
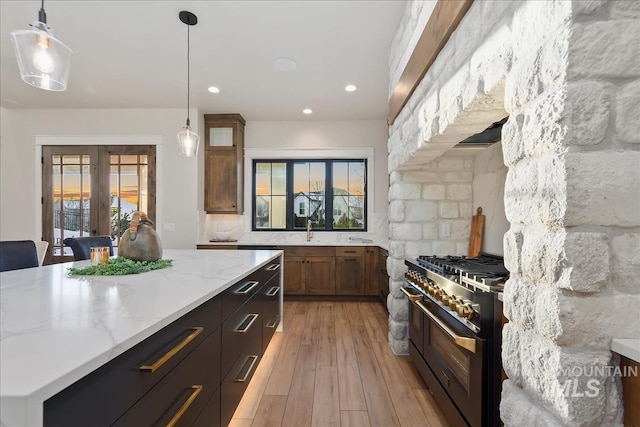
44,61
188,140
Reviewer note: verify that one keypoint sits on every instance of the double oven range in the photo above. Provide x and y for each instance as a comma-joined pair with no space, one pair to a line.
455,322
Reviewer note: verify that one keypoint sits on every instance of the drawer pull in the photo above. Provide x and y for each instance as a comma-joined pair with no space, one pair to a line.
246,288
273,267
168,355
196,391
349,260
273,324
273,291
242,379
349,252
243,329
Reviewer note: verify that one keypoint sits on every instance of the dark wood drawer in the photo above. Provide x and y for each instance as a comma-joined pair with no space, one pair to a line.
239,293
122,380
183,393
271,270
309,250
241,329
350,251
210,415
237,380
270,300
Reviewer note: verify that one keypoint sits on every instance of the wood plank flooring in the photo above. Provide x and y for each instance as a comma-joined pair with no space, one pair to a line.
332,366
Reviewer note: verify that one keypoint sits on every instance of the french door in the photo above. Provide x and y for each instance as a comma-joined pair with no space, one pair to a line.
94,190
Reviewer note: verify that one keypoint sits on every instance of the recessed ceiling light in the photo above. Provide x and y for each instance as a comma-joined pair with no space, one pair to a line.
213,89
350,88
284,64
307,111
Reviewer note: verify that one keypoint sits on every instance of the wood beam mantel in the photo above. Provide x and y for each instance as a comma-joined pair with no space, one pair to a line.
443,21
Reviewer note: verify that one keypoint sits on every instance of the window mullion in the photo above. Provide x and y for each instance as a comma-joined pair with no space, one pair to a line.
328,194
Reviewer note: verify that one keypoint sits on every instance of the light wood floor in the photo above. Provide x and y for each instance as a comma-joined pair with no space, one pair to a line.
332,366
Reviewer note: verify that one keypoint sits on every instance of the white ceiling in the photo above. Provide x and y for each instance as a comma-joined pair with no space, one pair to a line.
132,54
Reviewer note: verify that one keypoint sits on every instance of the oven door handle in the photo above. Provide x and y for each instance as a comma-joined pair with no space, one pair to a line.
412,297
464,342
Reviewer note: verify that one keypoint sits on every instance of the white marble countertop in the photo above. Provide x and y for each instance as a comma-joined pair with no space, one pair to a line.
629,348
55,329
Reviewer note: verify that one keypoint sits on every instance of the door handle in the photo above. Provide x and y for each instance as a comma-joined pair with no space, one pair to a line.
94,232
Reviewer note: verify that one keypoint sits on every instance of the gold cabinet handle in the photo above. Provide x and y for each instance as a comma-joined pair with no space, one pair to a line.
246,288
273,267
168,355
196,391
412,297
253,359
244,329
274,323
464,342
273,291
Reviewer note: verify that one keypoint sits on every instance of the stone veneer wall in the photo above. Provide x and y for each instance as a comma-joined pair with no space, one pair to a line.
568,73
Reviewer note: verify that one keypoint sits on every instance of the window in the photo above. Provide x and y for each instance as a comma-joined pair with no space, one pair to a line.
288,193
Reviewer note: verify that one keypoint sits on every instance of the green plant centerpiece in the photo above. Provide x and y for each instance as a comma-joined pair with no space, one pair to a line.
120,266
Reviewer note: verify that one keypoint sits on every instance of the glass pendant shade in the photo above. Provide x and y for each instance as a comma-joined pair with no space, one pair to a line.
188,142
44,61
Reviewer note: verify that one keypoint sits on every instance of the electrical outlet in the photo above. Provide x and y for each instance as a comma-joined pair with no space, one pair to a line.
168,226
445,229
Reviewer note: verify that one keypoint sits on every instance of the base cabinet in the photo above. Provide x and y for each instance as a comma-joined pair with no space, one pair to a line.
192,372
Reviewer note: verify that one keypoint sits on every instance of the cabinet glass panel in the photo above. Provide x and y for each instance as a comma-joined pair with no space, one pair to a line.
221,137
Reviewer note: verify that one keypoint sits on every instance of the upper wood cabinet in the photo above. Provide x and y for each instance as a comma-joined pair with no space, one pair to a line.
224,163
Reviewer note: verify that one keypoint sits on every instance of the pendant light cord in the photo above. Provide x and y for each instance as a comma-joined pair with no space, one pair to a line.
42,16
188,71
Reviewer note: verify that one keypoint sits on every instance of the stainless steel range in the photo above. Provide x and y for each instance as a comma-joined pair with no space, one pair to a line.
455,330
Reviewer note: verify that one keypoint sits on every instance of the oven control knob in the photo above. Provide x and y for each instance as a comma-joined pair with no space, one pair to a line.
454,303
445,299
465,311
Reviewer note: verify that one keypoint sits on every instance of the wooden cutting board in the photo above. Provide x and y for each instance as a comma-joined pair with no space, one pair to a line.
475,239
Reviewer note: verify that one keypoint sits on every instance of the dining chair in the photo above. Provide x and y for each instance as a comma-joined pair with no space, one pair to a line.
18,254
81,246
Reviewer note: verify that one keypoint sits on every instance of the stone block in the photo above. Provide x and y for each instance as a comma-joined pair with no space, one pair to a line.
622,9
589,7
433,192
625,262
405,231
445,248
627,113
397,211
404,191
421,211
398,330
399,347
396,268
457,176
517,408
394,288
460,229
418,248
449,210
605,49
423,176
399,308
430,231
535,22
492,60
396,249
466,209
512,249
585,267
459,192
587,112
462,248
512,144
603,188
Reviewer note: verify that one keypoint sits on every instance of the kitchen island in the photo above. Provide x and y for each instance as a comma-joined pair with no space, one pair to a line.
57,329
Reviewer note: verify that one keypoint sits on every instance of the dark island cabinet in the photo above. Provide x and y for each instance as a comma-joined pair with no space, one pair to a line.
192,372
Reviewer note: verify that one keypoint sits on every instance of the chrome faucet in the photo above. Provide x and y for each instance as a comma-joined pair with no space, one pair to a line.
309,232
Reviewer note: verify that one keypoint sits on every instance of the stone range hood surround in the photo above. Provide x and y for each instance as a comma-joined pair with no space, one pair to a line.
568,75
